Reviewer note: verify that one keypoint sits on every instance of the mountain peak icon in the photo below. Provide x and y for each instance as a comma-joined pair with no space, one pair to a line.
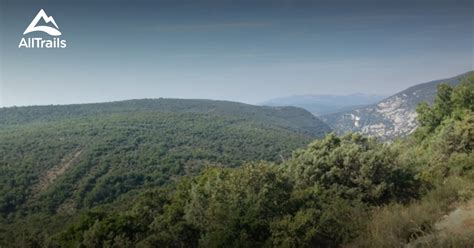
47,19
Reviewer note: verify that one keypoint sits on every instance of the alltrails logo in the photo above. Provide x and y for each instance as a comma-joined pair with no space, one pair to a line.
38,42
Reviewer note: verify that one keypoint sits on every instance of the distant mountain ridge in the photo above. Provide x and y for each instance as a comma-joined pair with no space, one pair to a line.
325,104
392,117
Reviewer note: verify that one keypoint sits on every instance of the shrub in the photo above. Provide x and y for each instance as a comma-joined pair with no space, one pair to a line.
395,225
353,167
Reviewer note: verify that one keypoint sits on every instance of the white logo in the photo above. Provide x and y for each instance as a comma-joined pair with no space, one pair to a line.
49,30
38,42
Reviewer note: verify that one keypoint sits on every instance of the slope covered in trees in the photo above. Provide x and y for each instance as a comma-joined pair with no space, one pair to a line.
349,190
292,118
57,160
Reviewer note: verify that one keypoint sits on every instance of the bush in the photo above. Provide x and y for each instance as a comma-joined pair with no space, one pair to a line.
353,167
396,225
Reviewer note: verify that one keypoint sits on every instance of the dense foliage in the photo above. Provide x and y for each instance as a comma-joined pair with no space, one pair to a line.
70,163
443,143
338,190
316,198
135,142
290,118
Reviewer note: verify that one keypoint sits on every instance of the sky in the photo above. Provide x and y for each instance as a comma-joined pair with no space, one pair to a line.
246,51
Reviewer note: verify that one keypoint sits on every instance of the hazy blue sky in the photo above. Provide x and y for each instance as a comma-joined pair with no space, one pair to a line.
246,51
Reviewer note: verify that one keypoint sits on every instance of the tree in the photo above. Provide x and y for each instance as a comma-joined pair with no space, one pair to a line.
353,167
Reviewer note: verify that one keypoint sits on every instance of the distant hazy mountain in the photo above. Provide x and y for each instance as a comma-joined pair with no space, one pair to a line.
325,104
392,117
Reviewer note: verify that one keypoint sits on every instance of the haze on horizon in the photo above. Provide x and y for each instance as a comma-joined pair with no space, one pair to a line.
247,51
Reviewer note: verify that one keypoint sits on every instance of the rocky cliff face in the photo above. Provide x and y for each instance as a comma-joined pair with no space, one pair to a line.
392,117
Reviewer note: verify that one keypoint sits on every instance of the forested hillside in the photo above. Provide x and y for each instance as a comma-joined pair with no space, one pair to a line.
292,118
61,159
113,187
